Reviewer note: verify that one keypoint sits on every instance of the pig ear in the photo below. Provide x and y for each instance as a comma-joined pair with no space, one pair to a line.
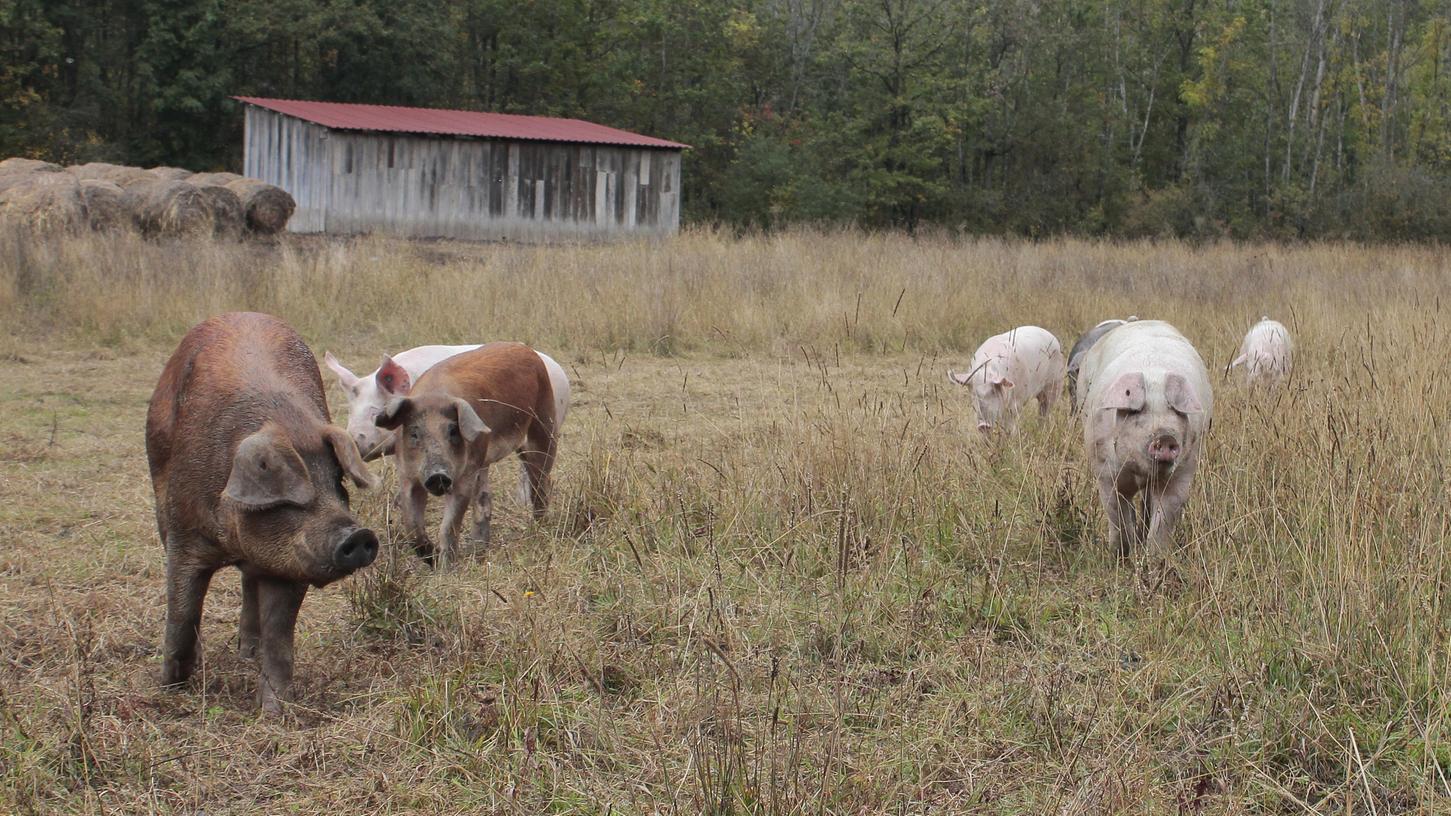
1004,383
346,377
267,472
348,457
392,378
469,423
395,413
1180,395
1126,393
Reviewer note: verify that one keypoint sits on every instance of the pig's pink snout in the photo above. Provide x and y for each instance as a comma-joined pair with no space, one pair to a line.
1164,449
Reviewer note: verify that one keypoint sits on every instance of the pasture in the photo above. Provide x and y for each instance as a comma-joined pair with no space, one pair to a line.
781,572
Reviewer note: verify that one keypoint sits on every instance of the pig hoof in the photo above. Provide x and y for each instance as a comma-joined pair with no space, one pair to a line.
174,674
248,649
482,535
426,553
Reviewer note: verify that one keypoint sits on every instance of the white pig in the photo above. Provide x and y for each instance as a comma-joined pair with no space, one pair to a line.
1146,406
368,395
1265,353
1008,370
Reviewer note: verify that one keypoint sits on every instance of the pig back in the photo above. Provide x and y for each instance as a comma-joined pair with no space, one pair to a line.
1153,347
1040,358
229,375
506,383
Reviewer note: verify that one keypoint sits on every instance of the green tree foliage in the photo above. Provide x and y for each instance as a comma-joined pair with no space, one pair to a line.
1205,118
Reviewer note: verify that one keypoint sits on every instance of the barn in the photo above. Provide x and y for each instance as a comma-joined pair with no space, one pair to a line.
425,172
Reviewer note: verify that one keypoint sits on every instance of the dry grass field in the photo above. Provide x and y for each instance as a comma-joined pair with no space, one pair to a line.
782,573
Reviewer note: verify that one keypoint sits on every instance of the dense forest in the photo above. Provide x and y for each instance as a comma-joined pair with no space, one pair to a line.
1200,118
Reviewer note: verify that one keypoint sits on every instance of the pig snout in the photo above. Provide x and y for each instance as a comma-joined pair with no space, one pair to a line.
437,481
985,427
355,549
1164,449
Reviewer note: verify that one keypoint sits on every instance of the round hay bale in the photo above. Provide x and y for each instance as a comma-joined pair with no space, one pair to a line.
214,179
170,209
44,206
106,208
170,173
268,207
114,173
228,217
19,165
10,180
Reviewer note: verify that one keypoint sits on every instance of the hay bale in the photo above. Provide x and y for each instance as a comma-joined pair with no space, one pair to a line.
228,216
170,209
268,207
214,179
169,173
106,207
114,173
19,165
11,180
45,205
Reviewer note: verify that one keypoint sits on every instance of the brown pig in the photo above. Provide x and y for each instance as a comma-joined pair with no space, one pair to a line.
463,415
248,472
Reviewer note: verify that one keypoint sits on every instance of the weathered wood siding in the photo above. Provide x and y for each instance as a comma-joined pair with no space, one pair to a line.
292,154
353,181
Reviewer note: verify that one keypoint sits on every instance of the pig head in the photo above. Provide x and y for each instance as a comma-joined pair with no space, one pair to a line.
366,398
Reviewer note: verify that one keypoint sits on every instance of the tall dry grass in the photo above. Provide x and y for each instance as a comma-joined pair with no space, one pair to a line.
781,574
836,292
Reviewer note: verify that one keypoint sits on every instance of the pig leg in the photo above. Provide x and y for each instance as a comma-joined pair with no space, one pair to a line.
186,588
1048,397
1168,509
278,602
483,508
1122,521
538,459
249,631
412,499
455,504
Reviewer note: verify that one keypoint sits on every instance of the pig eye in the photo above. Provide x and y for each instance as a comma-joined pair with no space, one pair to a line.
453,431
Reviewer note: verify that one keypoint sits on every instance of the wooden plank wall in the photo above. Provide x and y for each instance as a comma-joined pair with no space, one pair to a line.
352,182
292,154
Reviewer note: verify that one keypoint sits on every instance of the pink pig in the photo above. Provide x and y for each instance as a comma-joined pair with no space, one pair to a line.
1146,407
1011,368
1265,353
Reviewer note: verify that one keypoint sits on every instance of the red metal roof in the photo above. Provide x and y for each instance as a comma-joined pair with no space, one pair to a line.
388,118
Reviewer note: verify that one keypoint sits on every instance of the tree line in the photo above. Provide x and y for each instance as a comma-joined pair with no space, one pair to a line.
1198,118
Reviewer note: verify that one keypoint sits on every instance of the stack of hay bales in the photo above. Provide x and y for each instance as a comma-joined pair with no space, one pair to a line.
266,206
159,202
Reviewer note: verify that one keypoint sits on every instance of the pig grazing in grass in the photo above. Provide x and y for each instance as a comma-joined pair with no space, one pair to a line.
1265,353
463,415
395,377
1080,349
248,472
1008,370
1146,407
